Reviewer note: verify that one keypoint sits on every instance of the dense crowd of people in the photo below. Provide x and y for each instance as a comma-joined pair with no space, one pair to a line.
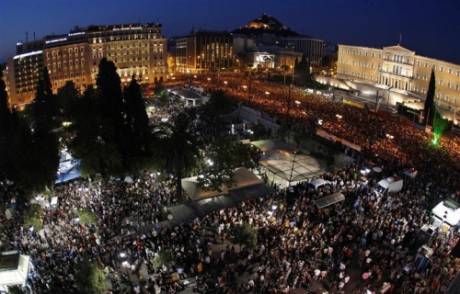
119,208
372,242
339,249
382,134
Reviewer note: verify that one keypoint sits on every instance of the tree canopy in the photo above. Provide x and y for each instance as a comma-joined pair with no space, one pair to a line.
429,107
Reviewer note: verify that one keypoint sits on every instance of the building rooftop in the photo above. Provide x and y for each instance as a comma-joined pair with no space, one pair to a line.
9,260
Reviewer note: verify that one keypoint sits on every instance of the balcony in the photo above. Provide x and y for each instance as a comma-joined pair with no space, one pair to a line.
396,74
407,62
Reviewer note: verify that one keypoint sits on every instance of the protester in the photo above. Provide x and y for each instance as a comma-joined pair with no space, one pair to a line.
369,242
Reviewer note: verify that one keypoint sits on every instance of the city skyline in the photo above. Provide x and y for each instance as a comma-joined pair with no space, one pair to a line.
384,22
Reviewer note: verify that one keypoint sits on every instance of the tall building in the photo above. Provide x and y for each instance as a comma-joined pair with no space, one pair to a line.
138,50
402,70
68,59
312,48
22,73
203,51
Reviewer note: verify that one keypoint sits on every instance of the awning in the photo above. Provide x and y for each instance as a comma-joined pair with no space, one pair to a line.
316,183
242,178
330,200
14,268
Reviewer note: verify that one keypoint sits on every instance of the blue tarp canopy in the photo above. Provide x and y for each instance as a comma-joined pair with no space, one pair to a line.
69,168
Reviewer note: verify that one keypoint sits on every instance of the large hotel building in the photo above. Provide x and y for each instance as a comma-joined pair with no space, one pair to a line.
138,50
401,69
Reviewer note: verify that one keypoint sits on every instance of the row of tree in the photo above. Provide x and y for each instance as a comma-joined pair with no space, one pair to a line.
431,114
29,152
109,130
107,127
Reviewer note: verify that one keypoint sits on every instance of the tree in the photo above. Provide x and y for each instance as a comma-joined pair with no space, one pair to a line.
4,105
429,108
33,217
111,105
178,147
67,97
20,158
90,278
16,150
5,125
245,235
44,108
159,88
44,122
109,92
102,135
222,158
137,120
162,258
302,74
93,141
210,114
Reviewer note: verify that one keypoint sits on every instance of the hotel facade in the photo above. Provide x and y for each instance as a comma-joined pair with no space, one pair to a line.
138,50
400,69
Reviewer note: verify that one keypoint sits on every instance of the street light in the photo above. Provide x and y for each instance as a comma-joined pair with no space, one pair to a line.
209,162
225,83
297,102
267,93
209,79
245,87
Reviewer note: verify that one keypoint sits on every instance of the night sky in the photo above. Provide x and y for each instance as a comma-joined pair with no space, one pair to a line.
430,27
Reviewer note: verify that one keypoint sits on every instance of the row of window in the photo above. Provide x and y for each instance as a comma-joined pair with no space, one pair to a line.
359,52
438,68
133,45
70,51
399,58
125,37
403,59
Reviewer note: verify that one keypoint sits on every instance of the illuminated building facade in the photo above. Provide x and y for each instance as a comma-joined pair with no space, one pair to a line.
312,48
402,70
287,59
138,50
22,73
68,61
202,51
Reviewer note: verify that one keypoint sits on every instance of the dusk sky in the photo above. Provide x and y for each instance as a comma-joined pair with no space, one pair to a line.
430,27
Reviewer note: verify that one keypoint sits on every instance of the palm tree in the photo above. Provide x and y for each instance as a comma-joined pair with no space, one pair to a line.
178,147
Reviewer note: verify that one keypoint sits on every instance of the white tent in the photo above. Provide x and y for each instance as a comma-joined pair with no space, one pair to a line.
284,165
14,268
391,184
317,183
447,211
242,178
329,200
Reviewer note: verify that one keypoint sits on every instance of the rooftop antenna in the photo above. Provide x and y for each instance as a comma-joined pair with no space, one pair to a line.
27,37
400,39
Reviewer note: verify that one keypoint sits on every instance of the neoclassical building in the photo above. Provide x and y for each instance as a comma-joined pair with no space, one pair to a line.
138,50
402,70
